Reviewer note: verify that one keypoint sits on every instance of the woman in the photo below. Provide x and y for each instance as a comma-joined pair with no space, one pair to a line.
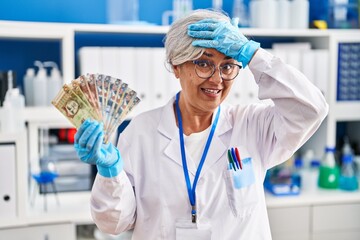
173,178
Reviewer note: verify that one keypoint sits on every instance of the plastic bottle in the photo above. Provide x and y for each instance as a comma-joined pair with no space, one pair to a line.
54,82
328,172
181,8
13,110
217,4
28,86
348,180
312,175
310,172
284,14
241,11
264,13
297,173
122,11
40,87
343,14
299,14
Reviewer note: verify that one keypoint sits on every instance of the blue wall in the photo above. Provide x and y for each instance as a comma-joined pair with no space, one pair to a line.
86,11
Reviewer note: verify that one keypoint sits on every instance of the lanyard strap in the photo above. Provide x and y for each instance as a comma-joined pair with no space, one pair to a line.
191,190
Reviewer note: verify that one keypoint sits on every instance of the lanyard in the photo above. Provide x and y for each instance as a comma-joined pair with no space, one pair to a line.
191,190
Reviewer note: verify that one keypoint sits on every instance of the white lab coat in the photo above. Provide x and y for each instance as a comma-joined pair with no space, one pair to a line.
151,193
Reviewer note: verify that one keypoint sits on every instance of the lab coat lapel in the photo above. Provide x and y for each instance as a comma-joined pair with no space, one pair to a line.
168,128
217,148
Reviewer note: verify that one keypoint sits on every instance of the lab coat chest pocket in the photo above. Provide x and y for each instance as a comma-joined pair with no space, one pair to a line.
241,189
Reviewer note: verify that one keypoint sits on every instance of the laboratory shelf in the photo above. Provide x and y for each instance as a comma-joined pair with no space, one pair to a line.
346,111
45,115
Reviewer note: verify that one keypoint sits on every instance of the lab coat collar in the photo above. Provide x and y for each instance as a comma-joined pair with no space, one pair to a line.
168,128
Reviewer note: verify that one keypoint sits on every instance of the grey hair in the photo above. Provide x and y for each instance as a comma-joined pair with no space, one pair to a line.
178,44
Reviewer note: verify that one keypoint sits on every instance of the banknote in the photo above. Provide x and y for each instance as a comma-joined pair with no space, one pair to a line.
97,96
72,106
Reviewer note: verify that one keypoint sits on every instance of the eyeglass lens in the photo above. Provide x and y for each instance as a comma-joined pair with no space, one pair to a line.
205,69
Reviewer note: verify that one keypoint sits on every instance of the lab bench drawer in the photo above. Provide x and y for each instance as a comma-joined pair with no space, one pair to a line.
336,218
41,232
290,223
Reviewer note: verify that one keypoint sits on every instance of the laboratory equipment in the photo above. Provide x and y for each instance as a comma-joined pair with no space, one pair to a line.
263,13
54,82
217,4
299,14
328,172
279,181
45,177
180,9
4,84
284,14
40,86
348,180
122,11
29,86
241,11
343,14
12,114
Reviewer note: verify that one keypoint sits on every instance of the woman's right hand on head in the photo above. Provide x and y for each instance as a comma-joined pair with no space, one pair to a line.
224,37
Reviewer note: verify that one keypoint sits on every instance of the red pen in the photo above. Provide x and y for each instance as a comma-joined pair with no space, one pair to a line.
238,157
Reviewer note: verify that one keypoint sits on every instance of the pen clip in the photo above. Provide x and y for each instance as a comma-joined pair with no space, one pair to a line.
234,158
238,157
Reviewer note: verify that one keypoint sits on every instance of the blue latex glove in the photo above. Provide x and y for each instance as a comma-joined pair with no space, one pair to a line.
224,37
90,149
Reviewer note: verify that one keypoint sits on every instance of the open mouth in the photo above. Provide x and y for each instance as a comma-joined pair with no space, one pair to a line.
211,91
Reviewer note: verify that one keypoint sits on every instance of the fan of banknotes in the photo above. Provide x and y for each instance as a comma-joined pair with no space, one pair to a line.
99,97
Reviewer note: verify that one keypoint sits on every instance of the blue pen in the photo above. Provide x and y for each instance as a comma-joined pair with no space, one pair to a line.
234,157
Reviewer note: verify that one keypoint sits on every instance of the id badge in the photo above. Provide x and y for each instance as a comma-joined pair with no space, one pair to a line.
187,230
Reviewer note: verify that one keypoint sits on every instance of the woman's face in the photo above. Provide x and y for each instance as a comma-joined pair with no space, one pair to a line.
204,95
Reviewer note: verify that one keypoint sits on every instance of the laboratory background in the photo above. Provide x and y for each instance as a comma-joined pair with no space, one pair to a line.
45,189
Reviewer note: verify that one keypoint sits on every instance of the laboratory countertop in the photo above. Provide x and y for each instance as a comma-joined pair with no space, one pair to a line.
313,197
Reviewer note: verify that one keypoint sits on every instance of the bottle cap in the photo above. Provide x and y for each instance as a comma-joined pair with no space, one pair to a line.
30,72
348,158
330,149
298,163
42,71
315,163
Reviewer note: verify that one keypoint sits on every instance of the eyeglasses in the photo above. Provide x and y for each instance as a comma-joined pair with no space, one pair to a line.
206,69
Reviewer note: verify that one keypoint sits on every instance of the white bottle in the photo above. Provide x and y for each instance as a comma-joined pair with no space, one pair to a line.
54,82
40,85
181,8
28,86
240,11
264,13
284,14
217,4
13,111
299,14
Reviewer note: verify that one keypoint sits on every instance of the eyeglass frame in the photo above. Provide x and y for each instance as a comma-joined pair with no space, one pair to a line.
195,62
